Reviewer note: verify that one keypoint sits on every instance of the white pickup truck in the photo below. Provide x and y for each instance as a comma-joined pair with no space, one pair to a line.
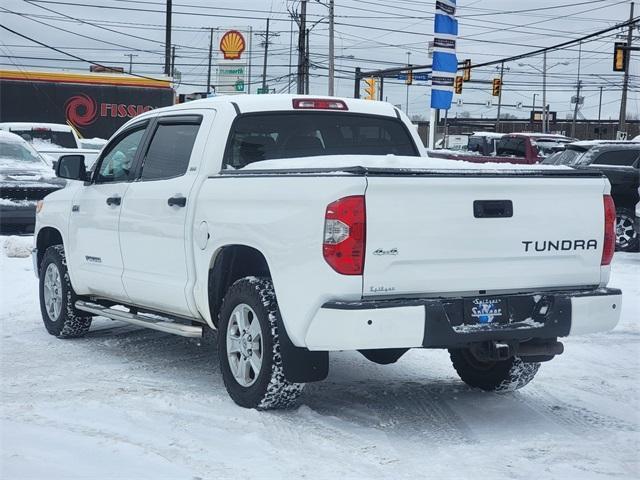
296,226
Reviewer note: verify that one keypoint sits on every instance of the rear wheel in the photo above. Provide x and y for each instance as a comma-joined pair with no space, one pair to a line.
57,297
249,347
498,376
627,238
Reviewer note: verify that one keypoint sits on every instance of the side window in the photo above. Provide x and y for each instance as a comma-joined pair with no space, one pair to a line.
621,158
117,163
169,151
511,146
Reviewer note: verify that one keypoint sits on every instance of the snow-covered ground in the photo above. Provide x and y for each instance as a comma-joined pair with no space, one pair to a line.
126,403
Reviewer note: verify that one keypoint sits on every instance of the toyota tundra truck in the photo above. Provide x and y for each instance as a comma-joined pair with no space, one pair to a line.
284,228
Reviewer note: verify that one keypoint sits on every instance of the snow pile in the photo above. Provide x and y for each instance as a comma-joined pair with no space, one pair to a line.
17,247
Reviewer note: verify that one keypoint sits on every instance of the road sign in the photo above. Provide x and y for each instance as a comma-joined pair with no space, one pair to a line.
459,102
263,90
579,99
488,103
239,86
421,77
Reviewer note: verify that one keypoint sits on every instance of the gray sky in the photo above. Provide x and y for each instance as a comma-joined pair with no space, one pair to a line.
377,33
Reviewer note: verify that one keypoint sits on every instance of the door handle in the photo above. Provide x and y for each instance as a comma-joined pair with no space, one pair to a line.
177,201
493,208
115,200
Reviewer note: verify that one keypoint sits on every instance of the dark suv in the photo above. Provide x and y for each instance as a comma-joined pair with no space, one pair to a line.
619,162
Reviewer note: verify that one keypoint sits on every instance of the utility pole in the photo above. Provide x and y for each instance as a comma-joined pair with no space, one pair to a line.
578,85
331,50
544,92
600,107
406,108
533,112
173,61
249,59
302,44
210,54
167,41
499,98
306,64
130,55
625,83
289,79
267,35
575,109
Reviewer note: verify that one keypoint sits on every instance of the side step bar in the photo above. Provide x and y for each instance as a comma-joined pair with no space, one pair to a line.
141,320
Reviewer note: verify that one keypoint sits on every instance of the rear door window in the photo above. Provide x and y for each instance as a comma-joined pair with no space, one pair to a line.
619,158
511,147
170,148
257,137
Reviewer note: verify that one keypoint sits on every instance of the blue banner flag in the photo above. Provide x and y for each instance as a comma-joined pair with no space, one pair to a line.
445,62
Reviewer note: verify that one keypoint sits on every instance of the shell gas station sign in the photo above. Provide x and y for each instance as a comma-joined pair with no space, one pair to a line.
232,71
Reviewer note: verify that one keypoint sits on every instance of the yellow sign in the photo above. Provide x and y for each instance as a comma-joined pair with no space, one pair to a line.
232,45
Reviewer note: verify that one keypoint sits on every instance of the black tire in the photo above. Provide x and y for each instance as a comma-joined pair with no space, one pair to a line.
627,238
270,390
69,322
498,376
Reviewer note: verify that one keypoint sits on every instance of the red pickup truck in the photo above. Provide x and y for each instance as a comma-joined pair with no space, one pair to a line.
527,148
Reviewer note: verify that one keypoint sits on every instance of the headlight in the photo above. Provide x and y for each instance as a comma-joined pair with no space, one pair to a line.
39,206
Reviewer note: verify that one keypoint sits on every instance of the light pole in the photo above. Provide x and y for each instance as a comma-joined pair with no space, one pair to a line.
533,111
544,71
406,110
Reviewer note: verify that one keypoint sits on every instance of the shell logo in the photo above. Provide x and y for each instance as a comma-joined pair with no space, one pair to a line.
232,45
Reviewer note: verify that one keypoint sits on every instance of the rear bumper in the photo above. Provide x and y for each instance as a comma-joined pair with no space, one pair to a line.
438,323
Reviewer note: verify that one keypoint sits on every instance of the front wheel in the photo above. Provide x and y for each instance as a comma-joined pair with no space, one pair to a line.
497,376
249,347
57,297
627,238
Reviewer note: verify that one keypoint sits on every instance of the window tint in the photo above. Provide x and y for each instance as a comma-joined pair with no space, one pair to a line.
169,151
511,146
257,137
117,163
476,144
621,158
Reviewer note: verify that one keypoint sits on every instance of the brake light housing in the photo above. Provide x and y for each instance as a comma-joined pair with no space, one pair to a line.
609,243
319,104
344,242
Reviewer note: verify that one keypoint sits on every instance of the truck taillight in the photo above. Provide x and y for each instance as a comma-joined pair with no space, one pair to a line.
343,246
609,245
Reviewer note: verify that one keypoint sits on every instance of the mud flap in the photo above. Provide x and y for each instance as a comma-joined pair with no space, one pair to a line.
301,365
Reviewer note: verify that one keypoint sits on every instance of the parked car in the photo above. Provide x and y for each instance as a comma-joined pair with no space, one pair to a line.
299,226
519,148
52,140
619,162
25,178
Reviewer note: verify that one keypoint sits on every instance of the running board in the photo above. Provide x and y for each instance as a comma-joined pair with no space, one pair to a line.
160,323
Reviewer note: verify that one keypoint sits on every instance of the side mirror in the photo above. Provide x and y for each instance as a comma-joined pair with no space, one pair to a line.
71,167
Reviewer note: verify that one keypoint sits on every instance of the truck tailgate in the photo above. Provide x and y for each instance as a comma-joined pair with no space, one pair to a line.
425,237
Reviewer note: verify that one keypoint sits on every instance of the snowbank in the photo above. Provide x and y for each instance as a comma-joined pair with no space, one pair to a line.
17,247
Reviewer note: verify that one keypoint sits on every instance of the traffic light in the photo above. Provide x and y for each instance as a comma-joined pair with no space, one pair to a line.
497,85
370,88
457,86
619,57
466,70
409,79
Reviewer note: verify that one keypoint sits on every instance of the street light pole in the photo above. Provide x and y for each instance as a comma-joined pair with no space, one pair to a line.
533,112
331,51
544,92
406,110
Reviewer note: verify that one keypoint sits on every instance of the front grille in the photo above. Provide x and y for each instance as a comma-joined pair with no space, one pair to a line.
26,193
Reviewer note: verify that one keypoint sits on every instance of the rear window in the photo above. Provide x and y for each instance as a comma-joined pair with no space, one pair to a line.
46,136
257,137
548,146
565,157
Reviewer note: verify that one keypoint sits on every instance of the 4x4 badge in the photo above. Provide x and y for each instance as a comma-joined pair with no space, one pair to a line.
381,251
